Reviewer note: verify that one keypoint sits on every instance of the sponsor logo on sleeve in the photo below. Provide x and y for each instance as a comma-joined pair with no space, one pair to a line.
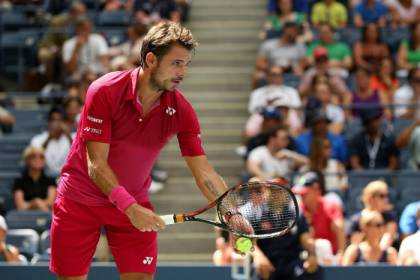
170,111
93,130
95,120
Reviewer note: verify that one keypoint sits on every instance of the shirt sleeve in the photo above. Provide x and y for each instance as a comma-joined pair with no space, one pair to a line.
101,45
67,50
255,156
96,117
334,212
408,219
17,185
316,14
189,138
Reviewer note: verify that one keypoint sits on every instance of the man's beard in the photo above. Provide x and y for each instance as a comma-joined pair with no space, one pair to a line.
154,83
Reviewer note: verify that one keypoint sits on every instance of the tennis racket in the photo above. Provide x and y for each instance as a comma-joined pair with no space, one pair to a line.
255,210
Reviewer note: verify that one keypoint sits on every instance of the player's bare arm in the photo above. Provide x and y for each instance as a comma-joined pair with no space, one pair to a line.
103,176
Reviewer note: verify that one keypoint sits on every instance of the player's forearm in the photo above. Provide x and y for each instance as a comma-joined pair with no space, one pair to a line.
103,176
211,185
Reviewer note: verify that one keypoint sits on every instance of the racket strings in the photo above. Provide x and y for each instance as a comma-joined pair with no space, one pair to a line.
258,209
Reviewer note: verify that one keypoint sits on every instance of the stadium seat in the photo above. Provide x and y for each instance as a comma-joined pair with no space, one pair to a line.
291,80
34,219
114,36
13,21
44,243
114,18
349,35
408,187
359,179
272,34
26,240
12,144
6,181
400,124
353,127
393,36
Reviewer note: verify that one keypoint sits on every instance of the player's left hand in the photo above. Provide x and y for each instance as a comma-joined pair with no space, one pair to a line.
240,224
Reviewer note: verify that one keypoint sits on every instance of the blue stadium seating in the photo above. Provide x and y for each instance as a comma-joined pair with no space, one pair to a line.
6,181
26,240
408,187
44,243
13,20
34,219
114,18
114,36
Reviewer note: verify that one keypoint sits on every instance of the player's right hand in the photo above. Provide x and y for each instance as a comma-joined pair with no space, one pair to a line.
144,219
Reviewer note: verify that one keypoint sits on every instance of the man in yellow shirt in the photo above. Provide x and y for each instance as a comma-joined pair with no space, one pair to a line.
331,12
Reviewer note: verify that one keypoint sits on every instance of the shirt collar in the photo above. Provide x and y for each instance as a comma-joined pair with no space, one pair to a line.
133,86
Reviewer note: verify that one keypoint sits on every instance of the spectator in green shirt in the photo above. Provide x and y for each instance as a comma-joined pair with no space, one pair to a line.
409,51
339,54
331,12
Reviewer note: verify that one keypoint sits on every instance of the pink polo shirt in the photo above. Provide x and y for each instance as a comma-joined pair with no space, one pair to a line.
112,114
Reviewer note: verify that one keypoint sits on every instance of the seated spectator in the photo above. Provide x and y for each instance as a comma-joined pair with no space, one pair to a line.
34,190
411,137
284,13
8,253
370,11
7,121
130,50
335,114
273,159
365,97
409,253
330,12
283,51
324,215
369,52
408,218
150,12
370,251
323,71
384,80
50,47
375,197
279,258
274,94
224,251
339,54
85,51
113,5
403,12
56,142
373,148
320,160
407,97
72,110
318,127
408,56
300,6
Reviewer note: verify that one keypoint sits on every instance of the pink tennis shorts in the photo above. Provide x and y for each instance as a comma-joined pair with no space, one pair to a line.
75,232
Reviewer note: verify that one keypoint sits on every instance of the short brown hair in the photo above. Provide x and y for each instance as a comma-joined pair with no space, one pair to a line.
162,36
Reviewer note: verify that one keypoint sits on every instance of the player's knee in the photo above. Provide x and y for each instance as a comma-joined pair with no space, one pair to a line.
136,276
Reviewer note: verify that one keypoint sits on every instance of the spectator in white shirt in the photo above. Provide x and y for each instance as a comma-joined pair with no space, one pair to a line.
403,12
56,142
85,51
406,98
273,160
409,253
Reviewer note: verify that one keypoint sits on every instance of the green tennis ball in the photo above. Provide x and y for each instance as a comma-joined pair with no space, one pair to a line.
243,245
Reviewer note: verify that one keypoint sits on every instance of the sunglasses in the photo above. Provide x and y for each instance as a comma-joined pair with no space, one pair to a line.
376,225
382,195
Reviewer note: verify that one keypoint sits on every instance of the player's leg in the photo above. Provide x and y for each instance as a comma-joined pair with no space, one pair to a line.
75,231
136,276
134,252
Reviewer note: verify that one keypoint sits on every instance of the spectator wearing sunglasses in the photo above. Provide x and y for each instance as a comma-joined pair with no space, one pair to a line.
375,197
370,251
34,190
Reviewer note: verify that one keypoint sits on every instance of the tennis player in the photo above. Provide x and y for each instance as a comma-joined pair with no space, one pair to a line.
127,119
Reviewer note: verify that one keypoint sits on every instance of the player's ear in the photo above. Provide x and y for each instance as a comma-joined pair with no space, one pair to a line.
151,59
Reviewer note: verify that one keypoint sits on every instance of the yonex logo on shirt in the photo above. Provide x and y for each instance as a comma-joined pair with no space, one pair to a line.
148,260
93,130
170,111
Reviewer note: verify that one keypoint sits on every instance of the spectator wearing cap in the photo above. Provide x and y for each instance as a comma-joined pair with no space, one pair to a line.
56,142
274,94
322,70
375,197
410,137
407,97
273,159
8,253
284,13
370,251
339,53
370,11
364,97
409,253
318,123
284,51
331,12
324,215
33,190
407,223
373,148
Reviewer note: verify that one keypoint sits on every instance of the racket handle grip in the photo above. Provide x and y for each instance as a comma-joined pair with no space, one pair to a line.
168,219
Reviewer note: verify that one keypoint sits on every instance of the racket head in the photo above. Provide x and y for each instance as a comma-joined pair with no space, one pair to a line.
265,210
